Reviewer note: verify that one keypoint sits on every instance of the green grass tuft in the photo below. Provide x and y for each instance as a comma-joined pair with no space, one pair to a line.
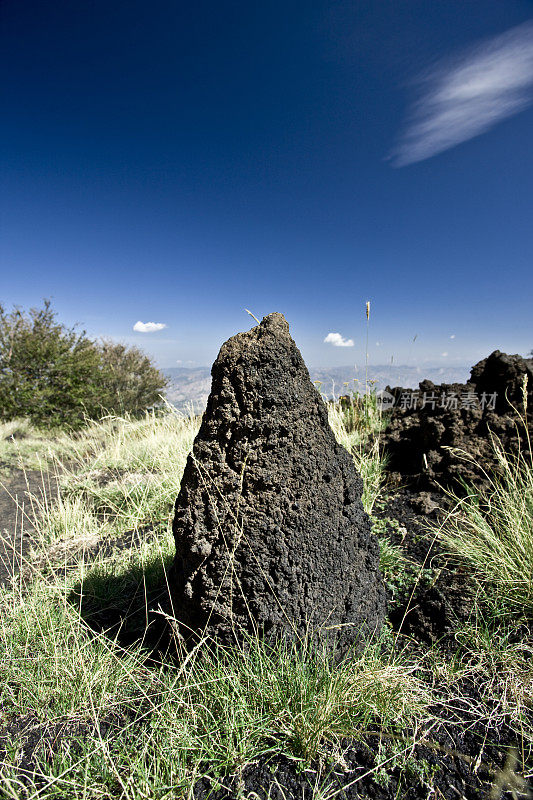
492,533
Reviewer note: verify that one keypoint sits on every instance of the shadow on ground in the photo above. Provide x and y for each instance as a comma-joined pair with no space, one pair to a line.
131,607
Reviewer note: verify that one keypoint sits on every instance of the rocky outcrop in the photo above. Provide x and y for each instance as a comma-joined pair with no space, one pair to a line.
425,424
270,531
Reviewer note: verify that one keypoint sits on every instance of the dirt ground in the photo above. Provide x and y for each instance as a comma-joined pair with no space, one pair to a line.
20,494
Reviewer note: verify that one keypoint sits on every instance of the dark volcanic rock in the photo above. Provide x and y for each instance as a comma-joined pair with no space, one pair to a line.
462,416
269,527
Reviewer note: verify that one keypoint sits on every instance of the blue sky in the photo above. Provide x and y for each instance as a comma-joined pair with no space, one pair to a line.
177,162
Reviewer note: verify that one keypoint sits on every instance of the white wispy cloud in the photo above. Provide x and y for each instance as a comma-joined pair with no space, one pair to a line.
148,327
462,98
338,341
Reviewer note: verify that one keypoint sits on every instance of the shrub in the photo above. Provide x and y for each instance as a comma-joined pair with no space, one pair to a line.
56,376
130,382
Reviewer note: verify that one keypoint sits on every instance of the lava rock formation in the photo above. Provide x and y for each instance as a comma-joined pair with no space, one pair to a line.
271,536
465,417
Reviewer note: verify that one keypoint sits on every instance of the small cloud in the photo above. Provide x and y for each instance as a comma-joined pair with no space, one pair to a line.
179,361
452,336
466,96
338,341
444,355
148,327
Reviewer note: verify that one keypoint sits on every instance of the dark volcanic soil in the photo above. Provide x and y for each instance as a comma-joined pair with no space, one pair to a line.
20,494
443,596
443,775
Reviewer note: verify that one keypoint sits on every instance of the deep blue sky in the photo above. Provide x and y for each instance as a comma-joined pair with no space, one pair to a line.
177,162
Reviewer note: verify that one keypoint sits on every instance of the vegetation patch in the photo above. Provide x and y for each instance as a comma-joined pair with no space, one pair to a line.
98,699
491,531
58,377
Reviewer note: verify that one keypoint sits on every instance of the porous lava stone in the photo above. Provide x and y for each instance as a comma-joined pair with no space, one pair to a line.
449,442
271,535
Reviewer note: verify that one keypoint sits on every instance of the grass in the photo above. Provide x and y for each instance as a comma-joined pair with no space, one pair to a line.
400,573
65,519
108,721
23,446
125,471
356,426
218,710
491,532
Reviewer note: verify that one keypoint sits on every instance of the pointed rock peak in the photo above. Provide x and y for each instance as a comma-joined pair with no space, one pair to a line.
275,322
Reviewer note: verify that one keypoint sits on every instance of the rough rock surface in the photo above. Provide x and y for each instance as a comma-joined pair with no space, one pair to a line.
417,438
269,527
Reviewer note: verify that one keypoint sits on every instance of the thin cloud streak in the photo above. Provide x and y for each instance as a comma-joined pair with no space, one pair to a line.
338,341
148,327
468,96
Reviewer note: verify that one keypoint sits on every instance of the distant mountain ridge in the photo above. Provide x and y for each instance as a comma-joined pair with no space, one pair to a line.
189,387
336,381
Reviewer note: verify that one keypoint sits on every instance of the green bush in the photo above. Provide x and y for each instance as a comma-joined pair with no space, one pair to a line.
130,383
57,377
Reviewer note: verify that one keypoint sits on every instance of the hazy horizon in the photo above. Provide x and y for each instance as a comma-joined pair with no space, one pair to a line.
190,386
346,366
